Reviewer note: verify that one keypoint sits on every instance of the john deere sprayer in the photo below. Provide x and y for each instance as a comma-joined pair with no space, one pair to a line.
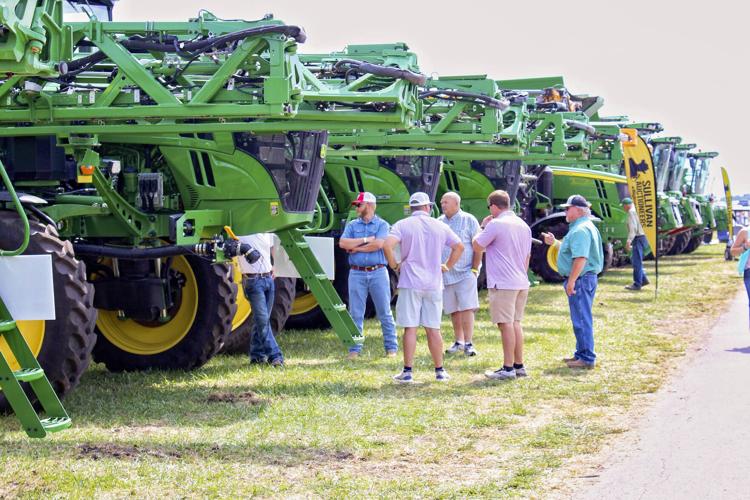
483,135
139,148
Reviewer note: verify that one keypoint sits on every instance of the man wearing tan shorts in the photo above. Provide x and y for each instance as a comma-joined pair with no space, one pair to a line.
507,240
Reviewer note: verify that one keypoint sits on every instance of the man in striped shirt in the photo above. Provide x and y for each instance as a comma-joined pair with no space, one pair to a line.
460,296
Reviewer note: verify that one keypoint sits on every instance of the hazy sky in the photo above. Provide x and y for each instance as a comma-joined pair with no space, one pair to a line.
682,64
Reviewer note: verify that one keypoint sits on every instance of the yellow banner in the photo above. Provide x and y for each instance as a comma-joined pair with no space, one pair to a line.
730,213
639,170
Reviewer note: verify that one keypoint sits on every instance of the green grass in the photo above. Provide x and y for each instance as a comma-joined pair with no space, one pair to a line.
330,428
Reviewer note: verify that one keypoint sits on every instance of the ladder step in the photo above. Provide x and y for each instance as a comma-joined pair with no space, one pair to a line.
29,374
54,424
7,325
321,276
302,244
339,307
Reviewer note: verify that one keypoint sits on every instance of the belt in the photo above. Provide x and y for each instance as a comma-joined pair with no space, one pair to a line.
367,268
256,275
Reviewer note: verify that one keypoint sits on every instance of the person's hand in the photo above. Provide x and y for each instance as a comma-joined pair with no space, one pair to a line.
549,238
444,268
475,271
628,246
570,288
486,221
396,266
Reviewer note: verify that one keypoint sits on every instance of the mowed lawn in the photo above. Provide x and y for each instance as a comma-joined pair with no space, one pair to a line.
325,427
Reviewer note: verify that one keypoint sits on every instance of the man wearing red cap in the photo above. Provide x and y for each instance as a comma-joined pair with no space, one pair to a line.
363,239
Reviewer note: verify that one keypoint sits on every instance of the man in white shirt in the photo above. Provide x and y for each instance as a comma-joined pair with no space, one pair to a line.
257,283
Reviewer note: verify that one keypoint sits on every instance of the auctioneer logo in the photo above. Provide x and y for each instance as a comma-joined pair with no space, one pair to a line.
639,171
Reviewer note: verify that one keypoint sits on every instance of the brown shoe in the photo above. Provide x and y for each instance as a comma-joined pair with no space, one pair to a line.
568,360
391,354
580,364
352,355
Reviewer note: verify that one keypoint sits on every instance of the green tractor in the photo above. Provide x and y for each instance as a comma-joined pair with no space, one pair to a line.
689,209
139,149
595,175
696,180
480,133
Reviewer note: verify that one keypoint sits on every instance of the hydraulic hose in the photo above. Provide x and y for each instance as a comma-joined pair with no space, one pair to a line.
589,129
378,70
132,253
501,104
143,44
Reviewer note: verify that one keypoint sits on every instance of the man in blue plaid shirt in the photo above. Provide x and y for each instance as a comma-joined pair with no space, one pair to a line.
460,296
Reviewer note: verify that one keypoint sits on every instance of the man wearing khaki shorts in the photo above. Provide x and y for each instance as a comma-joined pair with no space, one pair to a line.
507,240
420,280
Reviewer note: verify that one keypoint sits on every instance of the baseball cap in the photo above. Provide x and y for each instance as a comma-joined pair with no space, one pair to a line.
576,200
364,197
627,201
419,199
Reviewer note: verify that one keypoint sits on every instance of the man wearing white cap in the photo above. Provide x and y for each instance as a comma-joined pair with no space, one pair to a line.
363,239
420,282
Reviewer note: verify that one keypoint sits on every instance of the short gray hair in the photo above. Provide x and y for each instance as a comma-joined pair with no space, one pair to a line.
454,195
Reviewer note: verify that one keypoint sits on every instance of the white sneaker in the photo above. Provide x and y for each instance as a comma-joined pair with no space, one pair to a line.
442,376
404,378
455,348
500,374
521,372
469,350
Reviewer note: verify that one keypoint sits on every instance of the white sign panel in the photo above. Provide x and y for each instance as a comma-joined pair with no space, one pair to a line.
321,246
26,286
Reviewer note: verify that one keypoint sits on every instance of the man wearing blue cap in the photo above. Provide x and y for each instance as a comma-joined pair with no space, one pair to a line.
638,243
580,259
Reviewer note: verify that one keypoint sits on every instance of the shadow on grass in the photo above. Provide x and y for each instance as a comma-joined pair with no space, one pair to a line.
741,350
257,453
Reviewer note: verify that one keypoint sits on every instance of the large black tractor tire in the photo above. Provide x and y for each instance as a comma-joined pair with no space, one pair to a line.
681,242
708,237
693,244
200,324
539,263
608,253
239,340
67,341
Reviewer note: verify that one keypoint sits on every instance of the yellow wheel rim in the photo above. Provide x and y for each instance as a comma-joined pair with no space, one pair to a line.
33,332
137,338
552,256
304,302
243,305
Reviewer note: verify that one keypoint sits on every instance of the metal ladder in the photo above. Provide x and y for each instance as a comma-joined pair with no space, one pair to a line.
30,371
321,287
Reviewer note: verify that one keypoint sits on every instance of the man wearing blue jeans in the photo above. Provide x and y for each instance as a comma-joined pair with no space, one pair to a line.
580,259
257,283
636,242
363,239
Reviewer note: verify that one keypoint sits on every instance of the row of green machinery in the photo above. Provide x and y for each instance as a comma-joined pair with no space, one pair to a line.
490,135
138,150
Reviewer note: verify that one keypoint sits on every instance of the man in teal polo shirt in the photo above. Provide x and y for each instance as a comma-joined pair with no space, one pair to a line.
580,260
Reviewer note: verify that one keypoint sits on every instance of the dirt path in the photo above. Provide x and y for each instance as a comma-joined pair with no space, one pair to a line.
694,442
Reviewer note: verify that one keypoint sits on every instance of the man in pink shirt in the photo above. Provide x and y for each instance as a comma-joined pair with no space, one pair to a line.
420,281
507,241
